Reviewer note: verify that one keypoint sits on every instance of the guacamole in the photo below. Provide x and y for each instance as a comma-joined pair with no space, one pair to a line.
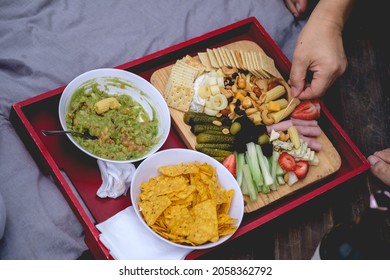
125,132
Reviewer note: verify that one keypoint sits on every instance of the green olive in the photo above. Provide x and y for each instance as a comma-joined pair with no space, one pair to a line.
263,139
235,128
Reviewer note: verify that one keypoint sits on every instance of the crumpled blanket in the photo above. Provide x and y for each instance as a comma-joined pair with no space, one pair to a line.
45,44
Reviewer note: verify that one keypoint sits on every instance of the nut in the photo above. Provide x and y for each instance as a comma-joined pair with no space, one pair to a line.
285,177
283,136
246,103
250,111
253,95
266,119
217,123
263,107
228,71
225,131
241,83
227,93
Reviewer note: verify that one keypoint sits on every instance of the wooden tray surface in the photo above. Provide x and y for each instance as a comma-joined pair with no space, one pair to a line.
330,160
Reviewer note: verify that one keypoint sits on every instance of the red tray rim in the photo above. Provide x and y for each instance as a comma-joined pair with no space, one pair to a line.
93,236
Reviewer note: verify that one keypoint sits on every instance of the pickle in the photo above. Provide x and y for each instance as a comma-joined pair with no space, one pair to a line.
193,118
218,132
198,128
220,159
221,146
188,115
214,138
215,152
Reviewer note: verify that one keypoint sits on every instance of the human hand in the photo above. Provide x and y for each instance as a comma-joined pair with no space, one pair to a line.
380,165
296,7
319,53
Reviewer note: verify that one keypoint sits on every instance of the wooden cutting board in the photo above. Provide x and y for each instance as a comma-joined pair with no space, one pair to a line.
330,160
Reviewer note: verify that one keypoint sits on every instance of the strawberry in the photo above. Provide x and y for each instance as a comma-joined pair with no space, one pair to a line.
230,163
301,169
286,162
307,110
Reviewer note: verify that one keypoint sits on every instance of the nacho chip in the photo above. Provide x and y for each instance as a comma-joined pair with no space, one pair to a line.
205,226
179,220
152,209
186,204
175,170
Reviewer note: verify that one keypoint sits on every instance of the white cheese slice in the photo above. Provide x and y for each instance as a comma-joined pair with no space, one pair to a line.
273,136
315,161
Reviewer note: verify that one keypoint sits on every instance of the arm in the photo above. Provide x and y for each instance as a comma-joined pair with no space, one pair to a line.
319,49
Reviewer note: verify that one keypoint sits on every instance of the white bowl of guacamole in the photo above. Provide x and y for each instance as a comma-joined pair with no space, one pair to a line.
126,113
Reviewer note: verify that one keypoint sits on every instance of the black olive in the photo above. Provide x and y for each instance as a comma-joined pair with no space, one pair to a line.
228,82
234,75
239,111
260,129
267,149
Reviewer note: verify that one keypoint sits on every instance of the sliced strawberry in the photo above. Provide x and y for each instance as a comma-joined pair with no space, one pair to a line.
230,163
307,110
286,162
301,169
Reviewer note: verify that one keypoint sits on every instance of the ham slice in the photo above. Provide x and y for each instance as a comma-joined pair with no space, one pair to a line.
280,126
304,122
311,131
312,143
306,128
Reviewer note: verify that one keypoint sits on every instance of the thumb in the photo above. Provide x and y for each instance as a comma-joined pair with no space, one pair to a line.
297,78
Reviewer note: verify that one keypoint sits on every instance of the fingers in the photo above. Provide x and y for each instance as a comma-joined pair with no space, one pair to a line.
296,7
384,155
380,165
298,77
316,87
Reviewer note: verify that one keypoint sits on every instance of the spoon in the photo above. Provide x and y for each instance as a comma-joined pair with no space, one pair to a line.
84,134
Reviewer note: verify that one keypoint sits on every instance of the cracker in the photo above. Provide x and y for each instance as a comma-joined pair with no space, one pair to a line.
227,59
183,73
233,57
179,96
268,64
247,61
218,57
205,60
230,58
212,58
258,69
223,57
238,57
194,62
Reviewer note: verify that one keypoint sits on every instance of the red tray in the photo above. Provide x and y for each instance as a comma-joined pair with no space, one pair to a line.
78,177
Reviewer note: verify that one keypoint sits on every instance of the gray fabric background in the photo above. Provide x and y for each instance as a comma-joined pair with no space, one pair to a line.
44,45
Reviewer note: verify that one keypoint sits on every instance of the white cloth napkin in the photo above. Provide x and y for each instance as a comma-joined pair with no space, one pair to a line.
128,239
116,178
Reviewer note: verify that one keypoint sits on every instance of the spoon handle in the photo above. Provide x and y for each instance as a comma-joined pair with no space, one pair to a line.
54,132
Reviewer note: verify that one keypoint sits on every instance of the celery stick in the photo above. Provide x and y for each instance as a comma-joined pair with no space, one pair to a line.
247,178
274,165
268,181
240,160
253,163
279,170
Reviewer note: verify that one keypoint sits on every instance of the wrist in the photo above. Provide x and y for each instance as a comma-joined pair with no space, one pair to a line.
332,14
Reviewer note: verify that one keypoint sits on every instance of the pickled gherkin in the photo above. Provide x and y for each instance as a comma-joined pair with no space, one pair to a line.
222,146
213,138
198,128
215,152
